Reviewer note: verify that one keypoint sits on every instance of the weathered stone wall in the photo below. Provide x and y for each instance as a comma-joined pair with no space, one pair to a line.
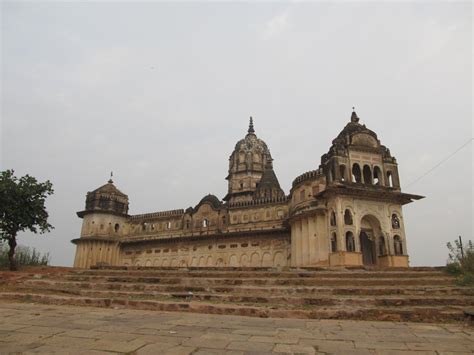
258,250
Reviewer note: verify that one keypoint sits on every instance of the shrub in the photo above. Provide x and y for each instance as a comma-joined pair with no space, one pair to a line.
25,256
461,263
453,269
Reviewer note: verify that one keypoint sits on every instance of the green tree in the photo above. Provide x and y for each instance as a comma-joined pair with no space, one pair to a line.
22,208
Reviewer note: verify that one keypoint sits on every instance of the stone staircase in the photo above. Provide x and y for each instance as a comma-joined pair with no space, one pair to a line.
416,294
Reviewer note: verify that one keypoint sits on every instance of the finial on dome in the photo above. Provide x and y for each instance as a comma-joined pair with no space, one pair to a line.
354,117
111,176
251,130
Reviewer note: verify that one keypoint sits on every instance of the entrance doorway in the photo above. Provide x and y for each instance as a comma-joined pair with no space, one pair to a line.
367,247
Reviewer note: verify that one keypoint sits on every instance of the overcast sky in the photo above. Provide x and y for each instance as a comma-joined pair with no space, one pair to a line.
160,93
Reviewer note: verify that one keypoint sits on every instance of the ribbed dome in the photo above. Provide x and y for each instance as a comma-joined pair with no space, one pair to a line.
251,143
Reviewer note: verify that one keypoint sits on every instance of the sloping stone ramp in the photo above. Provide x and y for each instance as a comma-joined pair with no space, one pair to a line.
415,294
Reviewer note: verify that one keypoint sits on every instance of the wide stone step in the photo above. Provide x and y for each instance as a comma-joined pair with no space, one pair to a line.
267,274
190,281
249,297
425,313
238,290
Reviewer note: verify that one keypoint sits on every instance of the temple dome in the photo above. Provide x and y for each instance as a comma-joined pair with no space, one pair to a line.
247,164
252,144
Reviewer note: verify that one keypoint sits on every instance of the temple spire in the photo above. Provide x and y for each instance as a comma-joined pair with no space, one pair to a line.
354,117
251,130
111,176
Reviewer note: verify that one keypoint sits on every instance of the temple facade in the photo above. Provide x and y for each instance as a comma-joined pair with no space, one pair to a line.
347,212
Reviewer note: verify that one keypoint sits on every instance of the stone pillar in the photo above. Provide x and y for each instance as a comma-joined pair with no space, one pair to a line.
313,249
298,243
305,241
293,245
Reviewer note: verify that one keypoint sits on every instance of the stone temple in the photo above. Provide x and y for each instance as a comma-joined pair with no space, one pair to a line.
347,212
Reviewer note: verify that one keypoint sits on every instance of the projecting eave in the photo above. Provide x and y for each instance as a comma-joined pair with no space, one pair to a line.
376,193
81,214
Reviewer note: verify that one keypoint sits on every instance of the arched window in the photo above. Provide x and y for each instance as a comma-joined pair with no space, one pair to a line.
398,245
395,221
224,220
333,218
342,171
348,217
116,227
350,242
381,245
356,174
205,222
333,243
389,179
377,176
188,223
367,175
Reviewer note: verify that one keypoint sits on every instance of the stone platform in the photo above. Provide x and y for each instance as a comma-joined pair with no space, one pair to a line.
45,329
416,294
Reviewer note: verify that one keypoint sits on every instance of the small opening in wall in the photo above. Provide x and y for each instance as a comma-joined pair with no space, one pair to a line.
395,221
389,179
333,243
397,244
342,170
350,242
116,227
367,175
348,217
356,174
333,219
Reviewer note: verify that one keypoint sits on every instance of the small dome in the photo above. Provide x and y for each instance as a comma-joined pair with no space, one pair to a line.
106,198
351,129
109,188
211,199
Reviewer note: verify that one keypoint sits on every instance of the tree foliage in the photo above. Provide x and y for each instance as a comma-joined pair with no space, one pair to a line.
22,208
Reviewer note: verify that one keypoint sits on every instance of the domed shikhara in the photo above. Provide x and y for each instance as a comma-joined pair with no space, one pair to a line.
248,162
356,156
106,199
